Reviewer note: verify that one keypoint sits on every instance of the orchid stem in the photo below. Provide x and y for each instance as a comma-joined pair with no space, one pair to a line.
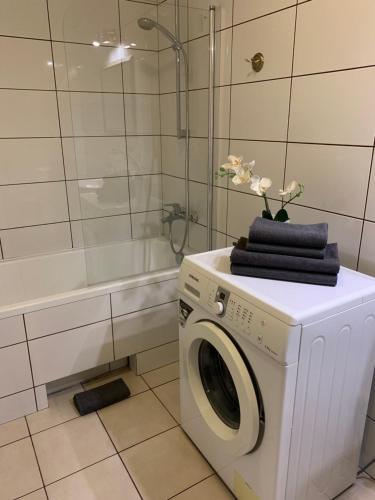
266,203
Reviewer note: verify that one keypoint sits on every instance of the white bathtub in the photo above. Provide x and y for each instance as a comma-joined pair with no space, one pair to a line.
63,314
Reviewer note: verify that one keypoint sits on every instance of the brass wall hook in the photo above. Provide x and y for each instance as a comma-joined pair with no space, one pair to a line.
257,62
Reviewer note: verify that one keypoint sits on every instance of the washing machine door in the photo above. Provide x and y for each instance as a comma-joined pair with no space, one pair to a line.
223,388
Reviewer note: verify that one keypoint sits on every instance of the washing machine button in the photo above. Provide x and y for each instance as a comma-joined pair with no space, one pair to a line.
218,308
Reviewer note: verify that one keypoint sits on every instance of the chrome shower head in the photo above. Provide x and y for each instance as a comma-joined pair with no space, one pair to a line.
148,24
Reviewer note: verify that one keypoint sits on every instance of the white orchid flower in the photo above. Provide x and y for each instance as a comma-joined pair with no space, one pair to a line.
243,175
234,161
260,184
292,186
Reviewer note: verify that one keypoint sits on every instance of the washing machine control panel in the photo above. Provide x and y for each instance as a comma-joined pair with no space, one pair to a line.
241,316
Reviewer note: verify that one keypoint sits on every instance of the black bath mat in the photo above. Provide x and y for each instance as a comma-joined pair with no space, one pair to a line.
100,397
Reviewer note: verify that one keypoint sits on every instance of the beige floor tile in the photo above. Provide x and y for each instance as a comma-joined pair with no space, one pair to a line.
19,473
162,375
135,419
13,430
165,465
135,382
37,495
61,409
212,487
71,446
105,480
169,395
363,489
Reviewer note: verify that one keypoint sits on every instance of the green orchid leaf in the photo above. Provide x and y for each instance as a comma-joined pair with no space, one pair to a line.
282,215
267,215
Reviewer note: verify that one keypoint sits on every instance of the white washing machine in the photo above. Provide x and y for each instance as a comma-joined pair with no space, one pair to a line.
275,378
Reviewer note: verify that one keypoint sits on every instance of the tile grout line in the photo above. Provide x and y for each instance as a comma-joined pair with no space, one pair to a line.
60,128
290,94
118,454
125,127
365,207
37,460
192,486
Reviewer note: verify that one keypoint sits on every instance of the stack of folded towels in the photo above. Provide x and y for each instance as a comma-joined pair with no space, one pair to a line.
287,252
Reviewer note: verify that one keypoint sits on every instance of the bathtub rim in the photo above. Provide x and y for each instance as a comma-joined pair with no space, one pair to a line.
88,292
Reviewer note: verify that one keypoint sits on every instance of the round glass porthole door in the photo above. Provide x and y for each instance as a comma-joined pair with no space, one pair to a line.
221,387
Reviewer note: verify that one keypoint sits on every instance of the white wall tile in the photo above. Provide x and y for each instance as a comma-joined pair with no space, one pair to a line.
198,201
24,18
340,29
147,224
28,114
98,197
198,166
198,107
197,237
223,57
167,70
26,64
31,204
173,154
242,210
143,297
166,17
86,68
141,72
88,157
142,114
219,240
145,193
269,162
78,350
91,114
35,240
12,331
103,231
131,33
273,36
245,10
221,152
15,373
199,63
168,114
173,190
260,110
320,169
344,230
84,20
144,155
319,113
370,207
30,160
66,317
157,357
222,112
367,258
198,20
220,209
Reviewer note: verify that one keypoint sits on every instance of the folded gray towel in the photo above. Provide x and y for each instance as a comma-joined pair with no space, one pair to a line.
329,265
293,235
285,275
311,253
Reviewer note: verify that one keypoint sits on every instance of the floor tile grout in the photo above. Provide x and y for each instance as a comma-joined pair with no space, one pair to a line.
192,486
118,454
37,459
